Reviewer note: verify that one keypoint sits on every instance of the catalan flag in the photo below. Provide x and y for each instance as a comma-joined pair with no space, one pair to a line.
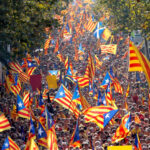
137,144
117,85
16,87
32,129
75,139
76,96
138,62
26,96
31,68
123,130
52,138
108,94
42,136
98,63
101,115
64,98
47,44
90,26
82,81
21,109
4,123
66,63
9,144
105,81
111,48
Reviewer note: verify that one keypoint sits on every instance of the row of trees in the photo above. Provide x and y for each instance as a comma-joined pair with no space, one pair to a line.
22,24
125,15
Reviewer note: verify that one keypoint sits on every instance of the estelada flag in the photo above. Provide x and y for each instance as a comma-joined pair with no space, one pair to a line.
111,48
138,62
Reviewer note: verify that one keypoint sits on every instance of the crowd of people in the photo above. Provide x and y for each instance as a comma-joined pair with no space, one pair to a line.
90,134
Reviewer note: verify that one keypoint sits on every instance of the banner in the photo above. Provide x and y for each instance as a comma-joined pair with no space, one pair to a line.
51,81
127,147
111,48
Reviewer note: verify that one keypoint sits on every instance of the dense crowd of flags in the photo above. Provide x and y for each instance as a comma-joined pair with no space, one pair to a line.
76,24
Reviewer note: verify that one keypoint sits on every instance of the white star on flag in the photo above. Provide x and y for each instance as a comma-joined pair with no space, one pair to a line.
107,116
20,104
107,81
40,131
61,93
6,144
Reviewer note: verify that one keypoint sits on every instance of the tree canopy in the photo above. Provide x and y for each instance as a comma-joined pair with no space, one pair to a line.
22,24
125,15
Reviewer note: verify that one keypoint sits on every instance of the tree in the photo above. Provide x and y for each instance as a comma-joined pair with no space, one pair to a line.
22,24
125,15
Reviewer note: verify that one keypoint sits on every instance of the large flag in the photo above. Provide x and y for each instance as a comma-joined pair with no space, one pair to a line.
21,109
4,123
111,48
138,62
75,139
137,144
101,115
9,144
64,98
123,130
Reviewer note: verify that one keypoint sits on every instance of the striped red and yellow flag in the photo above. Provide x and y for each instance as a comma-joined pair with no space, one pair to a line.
138,62
16,88
82,81
111,48
98,63
64,98
13,145
127,92
90,26
52,139
4,123
30,71
26,96
46,45
92,112
15,67
95,114
23,77
56,46
66,63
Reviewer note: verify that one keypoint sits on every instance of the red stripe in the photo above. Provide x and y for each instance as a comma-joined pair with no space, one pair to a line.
133,58
4,121
4,126
135,65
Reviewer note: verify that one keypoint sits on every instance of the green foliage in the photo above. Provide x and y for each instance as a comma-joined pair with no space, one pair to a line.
22,23
125,15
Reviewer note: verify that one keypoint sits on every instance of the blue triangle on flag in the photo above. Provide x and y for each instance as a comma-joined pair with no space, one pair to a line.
6,144
108,116
20,104
60,92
